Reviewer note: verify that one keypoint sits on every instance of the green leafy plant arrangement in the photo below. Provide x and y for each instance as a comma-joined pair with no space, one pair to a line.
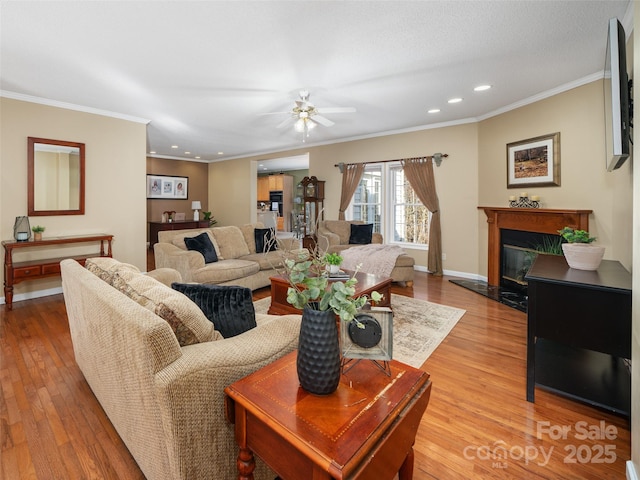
308,288
306,272
333,258
37,229
207,216
576,236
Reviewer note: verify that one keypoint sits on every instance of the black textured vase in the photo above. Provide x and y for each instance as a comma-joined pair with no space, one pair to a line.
318,361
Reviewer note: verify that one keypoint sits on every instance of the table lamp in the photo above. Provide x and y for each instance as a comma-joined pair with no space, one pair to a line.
195,206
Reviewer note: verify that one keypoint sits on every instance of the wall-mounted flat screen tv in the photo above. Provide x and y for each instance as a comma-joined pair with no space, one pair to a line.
616,97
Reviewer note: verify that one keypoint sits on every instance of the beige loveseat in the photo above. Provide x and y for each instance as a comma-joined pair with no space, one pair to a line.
165,400
238,262
333,237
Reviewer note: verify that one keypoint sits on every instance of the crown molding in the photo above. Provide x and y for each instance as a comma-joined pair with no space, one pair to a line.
71,106
544,95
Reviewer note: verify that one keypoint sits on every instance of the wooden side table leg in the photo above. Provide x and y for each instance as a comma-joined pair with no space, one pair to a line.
406,469
8,297
246,464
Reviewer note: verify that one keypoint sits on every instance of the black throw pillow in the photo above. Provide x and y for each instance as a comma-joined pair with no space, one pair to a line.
229,308
202,243
265,240
361,233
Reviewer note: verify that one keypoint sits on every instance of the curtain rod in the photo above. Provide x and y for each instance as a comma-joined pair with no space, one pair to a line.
437,157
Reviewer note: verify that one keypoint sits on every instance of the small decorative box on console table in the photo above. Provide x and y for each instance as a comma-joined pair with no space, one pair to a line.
48,267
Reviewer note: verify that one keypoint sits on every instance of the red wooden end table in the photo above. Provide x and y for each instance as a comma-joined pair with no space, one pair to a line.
364,430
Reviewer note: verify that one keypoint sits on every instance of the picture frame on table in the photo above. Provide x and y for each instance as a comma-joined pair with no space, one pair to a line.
534,162
167,187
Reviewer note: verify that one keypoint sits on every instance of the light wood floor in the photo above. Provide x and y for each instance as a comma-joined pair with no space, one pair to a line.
53,427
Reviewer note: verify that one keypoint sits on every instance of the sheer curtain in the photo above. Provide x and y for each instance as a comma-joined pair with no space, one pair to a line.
351,175
419,173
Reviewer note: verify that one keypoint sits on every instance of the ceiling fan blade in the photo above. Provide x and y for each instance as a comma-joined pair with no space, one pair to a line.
322,121
336,110
272,113
284,123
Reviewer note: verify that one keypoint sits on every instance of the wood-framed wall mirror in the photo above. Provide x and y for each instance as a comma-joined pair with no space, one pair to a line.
55,177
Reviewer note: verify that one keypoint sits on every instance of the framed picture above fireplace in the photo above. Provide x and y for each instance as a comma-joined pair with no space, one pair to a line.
534,162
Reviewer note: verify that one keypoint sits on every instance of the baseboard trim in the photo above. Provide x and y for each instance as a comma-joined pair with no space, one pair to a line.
452,273
31,295
631,471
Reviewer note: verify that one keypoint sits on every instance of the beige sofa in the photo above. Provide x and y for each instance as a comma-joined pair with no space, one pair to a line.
333,237
238,263
165,400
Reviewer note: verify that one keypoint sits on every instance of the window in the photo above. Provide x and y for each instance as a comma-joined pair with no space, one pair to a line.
386,199
366,204
409,217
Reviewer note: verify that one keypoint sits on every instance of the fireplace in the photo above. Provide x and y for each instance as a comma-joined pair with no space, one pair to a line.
520,229
538,220
518,250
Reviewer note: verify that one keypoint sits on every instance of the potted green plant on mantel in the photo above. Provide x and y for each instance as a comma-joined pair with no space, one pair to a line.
579,251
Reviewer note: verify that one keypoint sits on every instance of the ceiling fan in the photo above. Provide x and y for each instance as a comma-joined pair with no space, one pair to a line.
305,116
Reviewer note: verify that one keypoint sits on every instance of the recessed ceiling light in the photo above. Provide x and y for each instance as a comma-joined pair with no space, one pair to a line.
433,110
187,153
198,156
174,146
455,100
220,153
152,152
482,88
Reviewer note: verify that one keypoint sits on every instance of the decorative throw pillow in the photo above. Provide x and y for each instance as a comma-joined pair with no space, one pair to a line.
361,234
265,240
229,308
202,243
230,242
106,267
188,322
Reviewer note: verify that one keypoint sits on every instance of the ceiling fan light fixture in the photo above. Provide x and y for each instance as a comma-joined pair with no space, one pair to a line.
299,125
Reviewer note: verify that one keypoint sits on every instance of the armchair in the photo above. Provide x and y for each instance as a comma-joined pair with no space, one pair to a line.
333,235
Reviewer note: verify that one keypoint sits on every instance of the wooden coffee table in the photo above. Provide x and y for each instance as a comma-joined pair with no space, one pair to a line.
364,430
367,283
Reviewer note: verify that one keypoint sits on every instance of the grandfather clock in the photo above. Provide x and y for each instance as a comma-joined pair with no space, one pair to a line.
313,211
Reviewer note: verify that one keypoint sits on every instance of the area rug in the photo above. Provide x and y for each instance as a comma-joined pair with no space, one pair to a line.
418,326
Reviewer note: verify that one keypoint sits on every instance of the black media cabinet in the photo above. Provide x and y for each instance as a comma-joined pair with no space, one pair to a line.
579,332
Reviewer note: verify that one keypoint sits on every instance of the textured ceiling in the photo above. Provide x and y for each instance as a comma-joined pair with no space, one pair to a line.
202,73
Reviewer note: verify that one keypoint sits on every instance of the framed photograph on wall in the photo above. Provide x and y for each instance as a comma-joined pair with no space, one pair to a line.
534,162
167,187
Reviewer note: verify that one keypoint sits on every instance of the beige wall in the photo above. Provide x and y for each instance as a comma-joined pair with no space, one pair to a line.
196,172
115,178
456,179
585,184
635,330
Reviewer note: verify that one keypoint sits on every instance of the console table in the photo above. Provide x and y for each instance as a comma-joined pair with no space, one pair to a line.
579,332
155,227
33,269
